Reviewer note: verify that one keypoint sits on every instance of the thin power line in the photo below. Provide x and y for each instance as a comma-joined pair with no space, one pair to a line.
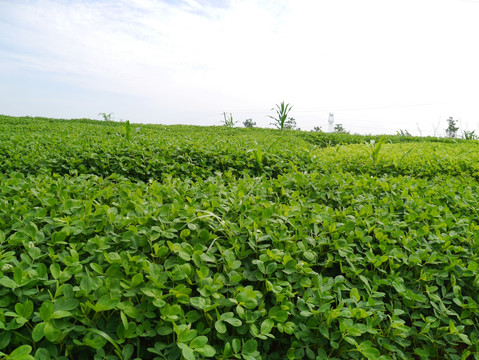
340,108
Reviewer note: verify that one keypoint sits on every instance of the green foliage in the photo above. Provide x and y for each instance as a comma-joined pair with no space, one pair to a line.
249,123
228,120
245,244
338,128
469,135
127,130
403,133
374,150
290,124
281,119
106,117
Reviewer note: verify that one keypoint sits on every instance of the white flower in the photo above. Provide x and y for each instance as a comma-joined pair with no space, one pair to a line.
7,267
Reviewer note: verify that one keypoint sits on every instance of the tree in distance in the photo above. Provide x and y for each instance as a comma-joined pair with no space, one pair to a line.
451,130
249,123
338,128
290,124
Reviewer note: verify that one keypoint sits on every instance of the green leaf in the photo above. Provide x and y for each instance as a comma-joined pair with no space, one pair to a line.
236,344
289,327
124,320
290,267
232,321
37,333
35,253
366,349
277,314
127,351
465,339
97,268
164,330
310,353
266,326
93,341
198,342
106,303
46,310
60,314
55,270
21,353
323,329
198,302
27,309
51,332
65,304
322,355
18,275
59,237
354,294
105,336
250,346
42,354
5,337
309,255
220,326
299,353
354,331
8,283
186,351
187,335
207,351
185,233
271,268
350,340
136,280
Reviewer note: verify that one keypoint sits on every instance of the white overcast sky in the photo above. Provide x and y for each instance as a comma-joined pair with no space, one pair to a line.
378,65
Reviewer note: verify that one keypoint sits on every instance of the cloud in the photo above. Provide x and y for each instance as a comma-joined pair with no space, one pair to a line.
190,56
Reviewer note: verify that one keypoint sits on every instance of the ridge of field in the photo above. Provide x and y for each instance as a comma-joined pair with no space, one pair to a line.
191,243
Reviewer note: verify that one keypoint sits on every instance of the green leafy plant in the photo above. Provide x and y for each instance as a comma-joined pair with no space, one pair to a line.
469,135
106,117
403,133
228,120
280,119
127,130
258,156
374,150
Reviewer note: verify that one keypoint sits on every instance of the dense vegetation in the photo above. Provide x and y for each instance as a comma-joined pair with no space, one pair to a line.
170,242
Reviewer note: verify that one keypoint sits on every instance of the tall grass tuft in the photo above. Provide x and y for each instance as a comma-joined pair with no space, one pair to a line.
127,127
374,149
282,111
